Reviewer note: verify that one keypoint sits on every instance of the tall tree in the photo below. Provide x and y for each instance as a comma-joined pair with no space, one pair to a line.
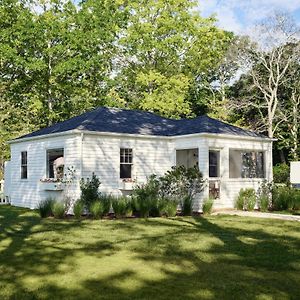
165,42
269,64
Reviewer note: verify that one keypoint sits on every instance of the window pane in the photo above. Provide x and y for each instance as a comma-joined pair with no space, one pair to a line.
214,163
24,172
55,163
24,158
125,171
24,165
244,164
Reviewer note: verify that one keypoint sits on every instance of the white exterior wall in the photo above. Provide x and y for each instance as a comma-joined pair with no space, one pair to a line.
229,187
93,152
29,192
101,155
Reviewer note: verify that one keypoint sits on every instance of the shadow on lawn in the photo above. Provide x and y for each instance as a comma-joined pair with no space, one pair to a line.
238,264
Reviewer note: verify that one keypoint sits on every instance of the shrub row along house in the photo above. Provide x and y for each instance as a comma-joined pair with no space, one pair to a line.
124,147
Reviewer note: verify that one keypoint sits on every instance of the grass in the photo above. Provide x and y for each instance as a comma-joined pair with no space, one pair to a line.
286,212
217,257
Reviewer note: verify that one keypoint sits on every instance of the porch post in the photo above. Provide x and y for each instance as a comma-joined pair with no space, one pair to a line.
203,160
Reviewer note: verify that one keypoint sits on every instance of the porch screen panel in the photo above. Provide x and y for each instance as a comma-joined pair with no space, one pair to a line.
246,164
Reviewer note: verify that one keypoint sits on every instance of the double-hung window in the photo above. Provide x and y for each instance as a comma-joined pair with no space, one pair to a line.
24,165
214,163
126,156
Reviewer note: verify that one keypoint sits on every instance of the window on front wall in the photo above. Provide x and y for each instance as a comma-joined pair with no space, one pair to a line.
246,164
214,163
126,156
24,165
55,163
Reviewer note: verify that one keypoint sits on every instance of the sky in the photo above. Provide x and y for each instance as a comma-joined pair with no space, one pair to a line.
240,15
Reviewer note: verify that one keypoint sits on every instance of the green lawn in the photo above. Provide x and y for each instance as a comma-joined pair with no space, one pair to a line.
221,257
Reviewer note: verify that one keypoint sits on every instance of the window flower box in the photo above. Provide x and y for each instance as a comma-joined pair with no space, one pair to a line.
51,185
126,185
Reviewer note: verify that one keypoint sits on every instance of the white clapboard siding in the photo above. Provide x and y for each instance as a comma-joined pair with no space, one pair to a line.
29,192
100,154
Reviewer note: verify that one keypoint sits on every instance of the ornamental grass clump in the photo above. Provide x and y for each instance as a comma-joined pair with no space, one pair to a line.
96,209
58,210
122,206
207,206
78,209
45,207
246,199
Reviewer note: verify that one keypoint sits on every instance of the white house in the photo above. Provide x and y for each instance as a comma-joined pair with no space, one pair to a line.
121,146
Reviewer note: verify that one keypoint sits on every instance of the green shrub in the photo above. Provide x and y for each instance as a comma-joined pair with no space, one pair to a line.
285,197
106,201
78,209
122,206
187,206
207,206
239,202
264,195
246,199
281,173
264,202
166,207
45,207
171,208
146,197
297,200
58,209
96,209
89,190
181,182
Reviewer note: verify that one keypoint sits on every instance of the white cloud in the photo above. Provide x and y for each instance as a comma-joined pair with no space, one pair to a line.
239,15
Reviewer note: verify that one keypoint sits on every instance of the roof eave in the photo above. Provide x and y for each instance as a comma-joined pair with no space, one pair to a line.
44,136
203,134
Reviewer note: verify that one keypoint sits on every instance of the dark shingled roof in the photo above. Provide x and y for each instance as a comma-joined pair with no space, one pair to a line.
113,120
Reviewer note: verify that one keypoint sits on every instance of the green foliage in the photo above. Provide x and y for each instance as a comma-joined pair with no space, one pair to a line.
285,197
122,206
207,206
246,199
146,196
178,183
281,173
167,95
106,201
58,209
187,206
96,209
264,195
89,190
264,203
167,46
45,207
78,209
171,208
182,182
166,207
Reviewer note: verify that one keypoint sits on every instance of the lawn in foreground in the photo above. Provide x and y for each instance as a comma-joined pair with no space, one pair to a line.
221,257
